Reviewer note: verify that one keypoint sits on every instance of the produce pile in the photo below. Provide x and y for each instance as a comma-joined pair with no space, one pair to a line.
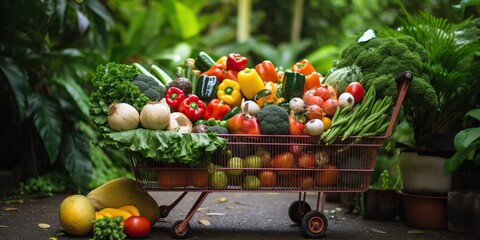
148,112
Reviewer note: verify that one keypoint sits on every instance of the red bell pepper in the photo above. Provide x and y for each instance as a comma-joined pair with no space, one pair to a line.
304,67
267,71
231,74
236,62
174,96
216,109
192,107
216,70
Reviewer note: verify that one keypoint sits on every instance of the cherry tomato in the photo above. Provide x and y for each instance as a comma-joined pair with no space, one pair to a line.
243,124
137,227
357,91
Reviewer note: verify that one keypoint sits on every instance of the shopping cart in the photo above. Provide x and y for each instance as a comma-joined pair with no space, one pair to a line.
271,163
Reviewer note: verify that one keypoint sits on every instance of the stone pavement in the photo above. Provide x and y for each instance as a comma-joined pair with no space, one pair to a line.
239,215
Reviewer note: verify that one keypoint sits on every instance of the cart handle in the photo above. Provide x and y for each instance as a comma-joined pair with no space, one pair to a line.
402,80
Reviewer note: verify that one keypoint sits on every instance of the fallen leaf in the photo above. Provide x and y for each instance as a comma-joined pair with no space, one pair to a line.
3,226
222,200
215,214
44,225
376,230
10,209
416,232
52,238
203,209
204,221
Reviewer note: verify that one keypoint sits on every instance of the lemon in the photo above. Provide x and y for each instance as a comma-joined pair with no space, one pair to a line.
76,215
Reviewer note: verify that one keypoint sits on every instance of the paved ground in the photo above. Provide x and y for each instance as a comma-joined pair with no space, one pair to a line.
241,216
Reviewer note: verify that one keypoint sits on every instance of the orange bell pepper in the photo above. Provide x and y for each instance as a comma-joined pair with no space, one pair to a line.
312,81
304,67
267,71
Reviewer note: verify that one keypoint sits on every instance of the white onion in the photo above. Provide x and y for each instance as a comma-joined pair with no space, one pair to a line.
251,107
122,117
296,104
345,99
155,116
314,127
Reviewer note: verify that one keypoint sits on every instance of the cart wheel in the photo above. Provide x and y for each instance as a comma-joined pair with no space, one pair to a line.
314,224
176,233
297,210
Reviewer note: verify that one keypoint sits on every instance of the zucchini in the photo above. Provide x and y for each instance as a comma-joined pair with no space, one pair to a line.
146,72
162,75
204,61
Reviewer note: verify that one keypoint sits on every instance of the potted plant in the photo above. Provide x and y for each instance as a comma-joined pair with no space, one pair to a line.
452,68
381,199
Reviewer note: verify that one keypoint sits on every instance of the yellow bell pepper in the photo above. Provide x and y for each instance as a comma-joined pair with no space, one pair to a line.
250,82
229,91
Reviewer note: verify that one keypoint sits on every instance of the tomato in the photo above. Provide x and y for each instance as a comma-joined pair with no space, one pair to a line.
314,112
328,177
295,127
306,182
357,91
136,227
243,124
306,160
168,178
199,178
283,160
268,178
323,92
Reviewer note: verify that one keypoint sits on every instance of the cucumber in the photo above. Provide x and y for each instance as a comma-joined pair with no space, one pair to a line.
204,61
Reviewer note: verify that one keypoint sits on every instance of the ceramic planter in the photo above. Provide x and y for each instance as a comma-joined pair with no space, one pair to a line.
381,205
464,211
423,174
425,212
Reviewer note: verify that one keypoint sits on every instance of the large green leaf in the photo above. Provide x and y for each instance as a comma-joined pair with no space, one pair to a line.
76,156
48,121
182,19
475,113
465,138
18,82
76,92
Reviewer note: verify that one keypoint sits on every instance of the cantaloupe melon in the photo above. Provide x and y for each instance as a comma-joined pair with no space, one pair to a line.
76,215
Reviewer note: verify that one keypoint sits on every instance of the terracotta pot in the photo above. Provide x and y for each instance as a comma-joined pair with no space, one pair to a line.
464,211
423,174
381,205
425,212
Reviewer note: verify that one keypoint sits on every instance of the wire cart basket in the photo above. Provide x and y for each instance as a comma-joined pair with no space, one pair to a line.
267,163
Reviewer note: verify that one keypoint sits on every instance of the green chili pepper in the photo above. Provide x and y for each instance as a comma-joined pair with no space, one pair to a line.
207,88
232,113
292,85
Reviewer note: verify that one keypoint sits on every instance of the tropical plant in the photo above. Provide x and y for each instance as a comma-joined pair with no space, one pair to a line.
453,69
467,144
46,61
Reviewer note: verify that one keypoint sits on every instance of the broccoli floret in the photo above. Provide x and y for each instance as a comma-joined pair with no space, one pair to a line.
217,129
383,59
149,87
273,120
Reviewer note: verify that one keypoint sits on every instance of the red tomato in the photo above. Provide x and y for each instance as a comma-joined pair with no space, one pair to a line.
243,124
268,178
136,227
283,160
323,92
357,91
306,160
328,177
